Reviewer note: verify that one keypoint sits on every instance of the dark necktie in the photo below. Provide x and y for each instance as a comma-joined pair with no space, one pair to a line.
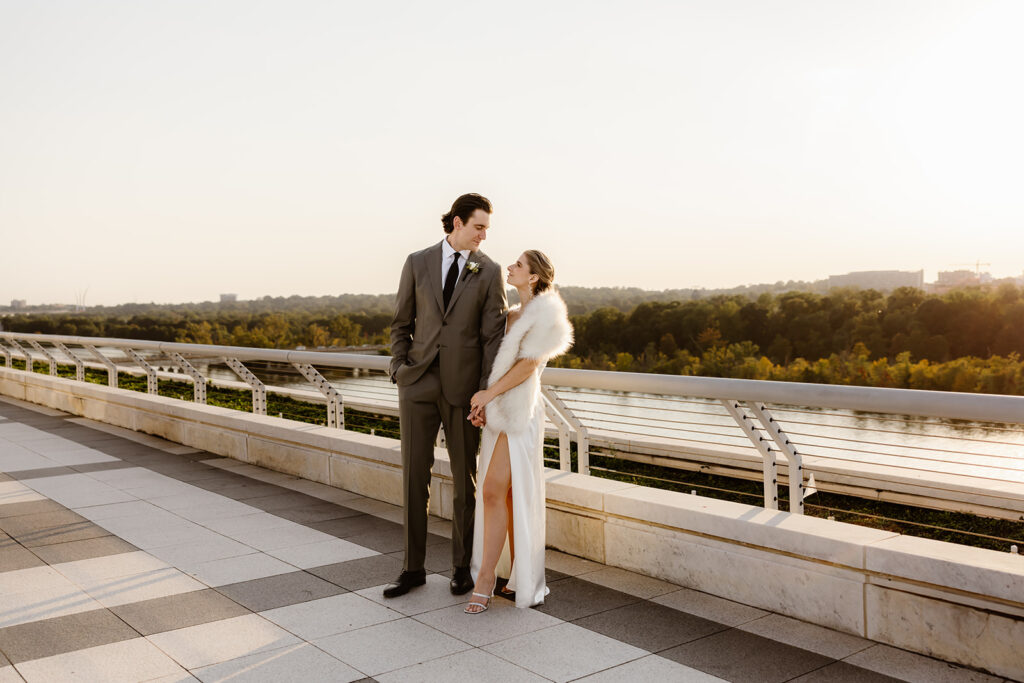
449,280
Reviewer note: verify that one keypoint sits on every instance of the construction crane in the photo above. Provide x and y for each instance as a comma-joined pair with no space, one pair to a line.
977,266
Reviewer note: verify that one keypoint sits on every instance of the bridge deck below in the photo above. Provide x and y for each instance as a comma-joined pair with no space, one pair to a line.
127,557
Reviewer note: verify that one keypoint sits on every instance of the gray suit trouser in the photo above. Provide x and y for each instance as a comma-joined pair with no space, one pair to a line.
422,408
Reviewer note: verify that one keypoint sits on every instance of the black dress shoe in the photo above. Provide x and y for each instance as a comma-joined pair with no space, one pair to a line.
405,582
462,581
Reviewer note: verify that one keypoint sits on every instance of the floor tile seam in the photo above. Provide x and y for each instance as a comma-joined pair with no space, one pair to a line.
819,668
483,648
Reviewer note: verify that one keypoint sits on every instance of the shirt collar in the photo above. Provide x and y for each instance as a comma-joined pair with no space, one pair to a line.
447,250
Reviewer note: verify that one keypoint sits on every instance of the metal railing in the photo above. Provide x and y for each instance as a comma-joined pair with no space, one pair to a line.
942,449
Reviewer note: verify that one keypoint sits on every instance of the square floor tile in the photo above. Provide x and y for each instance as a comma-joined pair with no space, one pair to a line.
32,579
328,616
389,646
392,540
98,568
319,511
14,557
277,537
321,553
178,611
651,668
297,663
569,564
762,660
909,666
261,495
238,569
279,591
564,652
240,524
129,660
47,528
807,636
131,509
503,621
30,508
710,607
435,594
222,641
362,573
48,637
220,509
355,525
650,626
89,548
44,603
190,554
461,667
121,590
629,582
841,672
573,598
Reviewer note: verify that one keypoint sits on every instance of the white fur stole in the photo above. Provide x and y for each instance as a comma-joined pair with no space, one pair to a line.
542,332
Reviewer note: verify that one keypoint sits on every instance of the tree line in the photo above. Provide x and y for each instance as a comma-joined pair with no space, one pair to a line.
969,339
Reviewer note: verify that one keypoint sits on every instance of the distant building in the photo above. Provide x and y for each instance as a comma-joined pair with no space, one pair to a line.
228,298
958,278
17,304
882,280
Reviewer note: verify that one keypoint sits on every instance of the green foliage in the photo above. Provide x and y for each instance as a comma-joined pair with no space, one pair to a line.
262,324
968,340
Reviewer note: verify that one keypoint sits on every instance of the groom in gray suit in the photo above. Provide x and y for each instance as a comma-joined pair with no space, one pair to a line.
449,321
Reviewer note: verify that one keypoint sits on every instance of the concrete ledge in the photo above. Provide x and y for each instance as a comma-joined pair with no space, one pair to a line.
961,604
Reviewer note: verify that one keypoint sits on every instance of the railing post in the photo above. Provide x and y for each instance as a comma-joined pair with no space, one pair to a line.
771,470
198,381
46,354
152,386
24,352
79,365
259,389
8,361
111,367
582,435
796,465
564,437
335,407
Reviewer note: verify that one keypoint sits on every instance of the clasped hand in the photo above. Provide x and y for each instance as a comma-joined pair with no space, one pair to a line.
477,410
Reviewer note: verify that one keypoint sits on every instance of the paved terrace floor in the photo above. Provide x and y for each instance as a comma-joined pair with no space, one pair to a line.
124,557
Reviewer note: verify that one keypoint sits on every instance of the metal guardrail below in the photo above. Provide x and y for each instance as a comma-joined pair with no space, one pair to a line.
856,440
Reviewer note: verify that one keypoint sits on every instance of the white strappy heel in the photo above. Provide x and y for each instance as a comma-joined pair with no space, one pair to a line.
482,605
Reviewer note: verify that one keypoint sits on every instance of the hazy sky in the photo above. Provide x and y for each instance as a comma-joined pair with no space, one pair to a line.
173,150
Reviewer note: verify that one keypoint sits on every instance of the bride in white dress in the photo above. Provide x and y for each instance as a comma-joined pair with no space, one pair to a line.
511,501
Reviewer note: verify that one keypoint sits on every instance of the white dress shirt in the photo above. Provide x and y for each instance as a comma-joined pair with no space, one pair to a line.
447,254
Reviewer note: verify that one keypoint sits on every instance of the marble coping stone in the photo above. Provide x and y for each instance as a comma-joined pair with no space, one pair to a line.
975,570
810,537
580,490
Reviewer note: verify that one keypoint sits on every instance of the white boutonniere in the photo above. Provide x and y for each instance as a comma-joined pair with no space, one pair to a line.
473,267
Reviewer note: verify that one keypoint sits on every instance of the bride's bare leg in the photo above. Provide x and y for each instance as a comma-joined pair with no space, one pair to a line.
496,487
511,526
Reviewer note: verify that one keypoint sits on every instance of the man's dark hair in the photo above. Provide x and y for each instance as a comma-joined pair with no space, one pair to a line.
463,207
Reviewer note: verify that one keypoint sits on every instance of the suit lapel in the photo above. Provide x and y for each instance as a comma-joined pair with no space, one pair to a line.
434,276
461,284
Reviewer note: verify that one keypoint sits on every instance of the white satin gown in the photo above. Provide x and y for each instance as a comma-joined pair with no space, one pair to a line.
525,450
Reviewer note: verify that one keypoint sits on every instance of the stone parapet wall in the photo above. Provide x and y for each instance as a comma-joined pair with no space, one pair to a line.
957,603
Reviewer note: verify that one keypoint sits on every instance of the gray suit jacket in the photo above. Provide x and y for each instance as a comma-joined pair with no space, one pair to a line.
466,336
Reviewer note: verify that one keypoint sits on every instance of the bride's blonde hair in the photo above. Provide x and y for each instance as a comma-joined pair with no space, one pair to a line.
540,265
